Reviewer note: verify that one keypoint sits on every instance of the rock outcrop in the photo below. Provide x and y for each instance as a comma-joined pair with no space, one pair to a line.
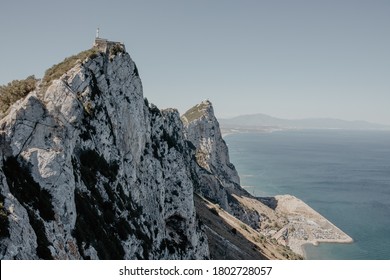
217,178
273,227
90,170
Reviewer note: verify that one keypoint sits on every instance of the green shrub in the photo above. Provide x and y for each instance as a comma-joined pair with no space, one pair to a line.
115,49
14,91
56,71
195,112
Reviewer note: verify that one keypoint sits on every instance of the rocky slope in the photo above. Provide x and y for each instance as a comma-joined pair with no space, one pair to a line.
217,178
90,170
274,227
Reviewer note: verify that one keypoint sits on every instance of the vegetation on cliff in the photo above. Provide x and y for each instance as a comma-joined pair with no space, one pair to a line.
57,70
15,90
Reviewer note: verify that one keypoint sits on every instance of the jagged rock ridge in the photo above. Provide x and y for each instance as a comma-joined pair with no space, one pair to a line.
233,218
217,179
90,170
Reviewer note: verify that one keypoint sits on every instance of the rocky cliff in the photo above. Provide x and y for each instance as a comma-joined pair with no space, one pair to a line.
217,179
90,170
234,220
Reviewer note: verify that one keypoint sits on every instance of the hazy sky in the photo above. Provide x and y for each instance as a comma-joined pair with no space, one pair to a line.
289,59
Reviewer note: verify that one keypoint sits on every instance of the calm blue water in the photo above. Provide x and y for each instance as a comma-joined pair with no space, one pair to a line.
344,175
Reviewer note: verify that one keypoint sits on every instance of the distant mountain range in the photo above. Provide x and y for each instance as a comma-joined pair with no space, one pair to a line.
262,122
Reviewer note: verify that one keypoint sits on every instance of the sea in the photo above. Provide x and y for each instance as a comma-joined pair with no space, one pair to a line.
344,175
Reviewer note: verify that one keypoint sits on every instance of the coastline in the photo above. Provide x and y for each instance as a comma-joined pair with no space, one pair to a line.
305,226
288,221
297,223
230,131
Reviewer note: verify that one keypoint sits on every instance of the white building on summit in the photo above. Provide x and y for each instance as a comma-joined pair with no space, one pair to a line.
105,45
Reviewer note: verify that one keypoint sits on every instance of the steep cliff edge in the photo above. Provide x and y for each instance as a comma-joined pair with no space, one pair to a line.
90,170
234,227
217,178
277,227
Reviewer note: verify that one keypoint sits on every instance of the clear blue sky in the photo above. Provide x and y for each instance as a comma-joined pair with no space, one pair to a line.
289,59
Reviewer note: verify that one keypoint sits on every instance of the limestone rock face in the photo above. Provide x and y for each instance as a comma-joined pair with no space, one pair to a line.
90,170
202,129
217,178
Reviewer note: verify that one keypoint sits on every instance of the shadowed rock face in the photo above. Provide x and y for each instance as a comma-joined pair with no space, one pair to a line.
88,170
280,224
217,178
202,129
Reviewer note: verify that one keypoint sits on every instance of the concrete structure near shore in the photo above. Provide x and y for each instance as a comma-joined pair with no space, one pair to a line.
105,45
305,225
291,222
